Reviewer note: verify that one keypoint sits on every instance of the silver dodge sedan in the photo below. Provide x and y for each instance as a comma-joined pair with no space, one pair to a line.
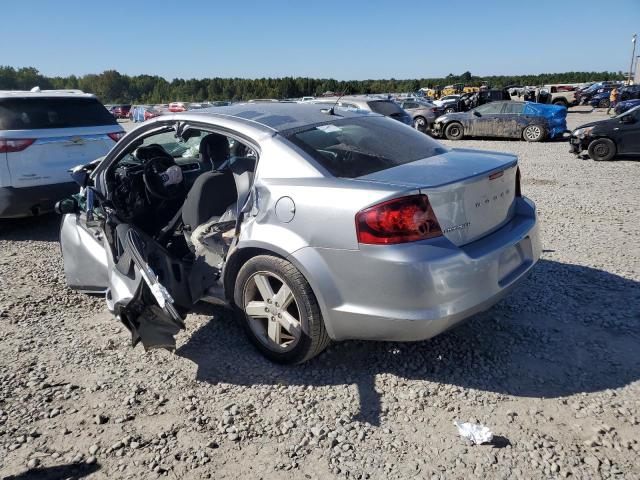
314,223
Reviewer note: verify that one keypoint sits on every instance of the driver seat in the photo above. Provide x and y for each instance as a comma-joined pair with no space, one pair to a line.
214,191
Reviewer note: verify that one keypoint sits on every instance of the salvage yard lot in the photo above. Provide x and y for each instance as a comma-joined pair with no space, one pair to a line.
553,370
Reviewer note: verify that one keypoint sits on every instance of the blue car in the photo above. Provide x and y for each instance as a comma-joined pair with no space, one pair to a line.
625,105
601,100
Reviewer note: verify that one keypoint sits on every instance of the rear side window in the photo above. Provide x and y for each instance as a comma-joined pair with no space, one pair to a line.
513,107
384,107
43,112
489,108
353,147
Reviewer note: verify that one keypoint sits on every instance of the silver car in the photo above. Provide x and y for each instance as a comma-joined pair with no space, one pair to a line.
423,113
313,224
367,103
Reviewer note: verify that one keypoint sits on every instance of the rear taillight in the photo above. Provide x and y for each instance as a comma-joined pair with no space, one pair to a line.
115,136
518,191
8,145
401,220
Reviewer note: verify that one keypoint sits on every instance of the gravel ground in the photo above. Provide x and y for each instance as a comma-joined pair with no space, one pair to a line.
553,369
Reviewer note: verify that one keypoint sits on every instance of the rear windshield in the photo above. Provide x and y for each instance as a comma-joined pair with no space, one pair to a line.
384,107
353,147
43,112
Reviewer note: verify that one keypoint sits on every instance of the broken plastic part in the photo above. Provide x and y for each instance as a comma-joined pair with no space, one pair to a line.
475,432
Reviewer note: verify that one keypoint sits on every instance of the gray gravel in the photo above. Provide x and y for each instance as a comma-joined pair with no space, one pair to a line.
553,370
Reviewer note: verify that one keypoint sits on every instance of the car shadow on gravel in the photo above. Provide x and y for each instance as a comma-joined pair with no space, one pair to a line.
44,228
567,329
70,472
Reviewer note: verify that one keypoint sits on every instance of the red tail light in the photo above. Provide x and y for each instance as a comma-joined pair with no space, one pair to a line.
518,191
115,136
401,220
8,145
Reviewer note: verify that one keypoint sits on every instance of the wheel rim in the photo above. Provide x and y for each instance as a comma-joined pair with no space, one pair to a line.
272,311
449,110
533,132
601,150
418,123
454,131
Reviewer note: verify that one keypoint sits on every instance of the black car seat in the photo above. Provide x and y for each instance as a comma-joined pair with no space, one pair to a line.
214,191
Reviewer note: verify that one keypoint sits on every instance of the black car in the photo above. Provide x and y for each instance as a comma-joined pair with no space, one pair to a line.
605,139
505,119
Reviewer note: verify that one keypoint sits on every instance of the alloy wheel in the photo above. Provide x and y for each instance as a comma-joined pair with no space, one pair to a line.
272,311
533,132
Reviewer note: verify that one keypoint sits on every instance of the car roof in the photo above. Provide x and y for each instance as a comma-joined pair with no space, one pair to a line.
45,94
280,116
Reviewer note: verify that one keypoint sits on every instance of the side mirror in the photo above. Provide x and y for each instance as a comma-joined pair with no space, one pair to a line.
627,119
68,205
476,114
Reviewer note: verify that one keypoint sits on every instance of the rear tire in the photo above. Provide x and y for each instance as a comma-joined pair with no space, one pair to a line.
454,131
449,110
533,133
602,149
420,123
307,338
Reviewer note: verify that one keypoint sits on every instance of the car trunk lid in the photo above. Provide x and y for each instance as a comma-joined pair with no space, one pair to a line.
472,193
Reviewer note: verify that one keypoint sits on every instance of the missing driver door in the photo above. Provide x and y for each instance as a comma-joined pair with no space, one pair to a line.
147,289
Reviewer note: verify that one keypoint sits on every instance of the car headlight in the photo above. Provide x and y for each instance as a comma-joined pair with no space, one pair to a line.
582,132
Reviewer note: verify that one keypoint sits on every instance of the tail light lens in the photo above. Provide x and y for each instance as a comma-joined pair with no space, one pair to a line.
8,145
401,220
115,136
518,191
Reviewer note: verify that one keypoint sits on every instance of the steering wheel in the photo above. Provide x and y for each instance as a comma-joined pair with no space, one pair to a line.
153,168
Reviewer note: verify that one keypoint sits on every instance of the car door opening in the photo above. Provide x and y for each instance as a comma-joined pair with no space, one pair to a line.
171,215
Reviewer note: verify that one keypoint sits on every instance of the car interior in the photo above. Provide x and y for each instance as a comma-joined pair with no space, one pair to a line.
168,184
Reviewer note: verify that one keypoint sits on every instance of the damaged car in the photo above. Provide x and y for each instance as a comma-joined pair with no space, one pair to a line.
605,139
313,224
528,121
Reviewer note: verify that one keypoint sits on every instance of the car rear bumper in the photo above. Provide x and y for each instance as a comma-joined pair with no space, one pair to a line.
417,290
30,201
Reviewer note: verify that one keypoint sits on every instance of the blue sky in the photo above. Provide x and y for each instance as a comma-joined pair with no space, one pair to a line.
329,39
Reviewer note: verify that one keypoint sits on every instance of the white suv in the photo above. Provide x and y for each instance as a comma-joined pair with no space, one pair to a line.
43,134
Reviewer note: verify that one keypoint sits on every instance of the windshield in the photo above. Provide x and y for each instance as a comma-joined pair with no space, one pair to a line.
353,147
633,111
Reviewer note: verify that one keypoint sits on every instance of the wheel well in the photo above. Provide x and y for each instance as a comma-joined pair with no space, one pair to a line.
235,263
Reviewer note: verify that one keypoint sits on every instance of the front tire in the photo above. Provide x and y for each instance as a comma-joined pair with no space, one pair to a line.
279,311
449,110
533,133
602,150
604,103
454,131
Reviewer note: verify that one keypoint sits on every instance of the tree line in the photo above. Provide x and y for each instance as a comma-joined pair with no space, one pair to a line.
113,87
